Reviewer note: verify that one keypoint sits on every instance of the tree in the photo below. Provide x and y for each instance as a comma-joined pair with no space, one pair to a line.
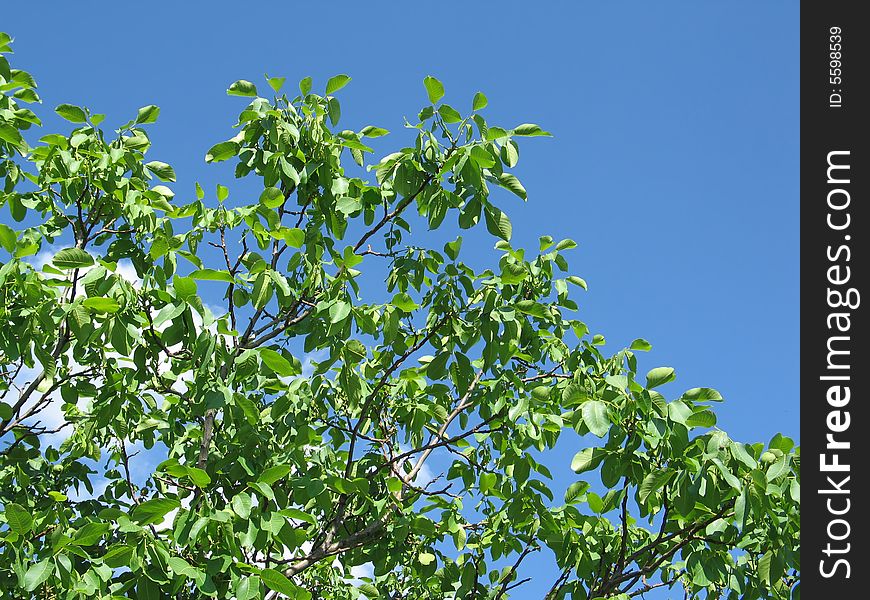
294,421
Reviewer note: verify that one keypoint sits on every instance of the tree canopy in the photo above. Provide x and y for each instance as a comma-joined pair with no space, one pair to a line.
297,360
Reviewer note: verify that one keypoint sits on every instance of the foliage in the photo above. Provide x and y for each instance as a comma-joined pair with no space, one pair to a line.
295,421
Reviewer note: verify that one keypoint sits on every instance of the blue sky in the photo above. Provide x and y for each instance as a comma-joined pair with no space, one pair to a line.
674,161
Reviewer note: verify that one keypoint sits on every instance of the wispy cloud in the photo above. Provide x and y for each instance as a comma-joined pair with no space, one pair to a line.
310,359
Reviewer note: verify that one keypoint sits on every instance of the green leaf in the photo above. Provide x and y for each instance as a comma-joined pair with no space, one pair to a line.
179,566
510,153
18,518
587,459
794,490
702,395
339,311
276,83
118,556
764,566
513,273
272,197
249,407
372,132
404,302
452,248
102,305
37,574
596,416
702,418
294,237
509,182
305,86
147,114
678,411
8,237
277,363
211,275
166,193
222,151
185,287
242,503
652,483
242,87
727,475
739,452
781,442
198,476
487,481
777,469
276,581
479,101
72,113
641,344
434,89
336,83
498,224
573,394
163,171
273,474
529,129
90,534
530,307
449,114
574,491
595,503
10,134
659,376
152,511
72,258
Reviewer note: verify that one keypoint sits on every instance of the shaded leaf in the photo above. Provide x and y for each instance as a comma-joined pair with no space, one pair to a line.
242,87
152,511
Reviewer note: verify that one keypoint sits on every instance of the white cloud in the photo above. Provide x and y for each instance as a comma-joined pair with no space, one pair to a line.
126,271
366,570
309,360
42,258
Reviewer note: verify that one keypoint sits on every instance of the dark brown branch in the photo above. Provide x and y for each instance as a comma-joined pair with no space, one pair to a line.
650,567
380,385
126,462
559,583
506,580
278,330
401,206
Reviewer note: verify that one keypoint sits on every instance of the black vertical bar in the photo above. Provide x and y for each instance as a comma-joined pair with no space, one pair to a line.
835,225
